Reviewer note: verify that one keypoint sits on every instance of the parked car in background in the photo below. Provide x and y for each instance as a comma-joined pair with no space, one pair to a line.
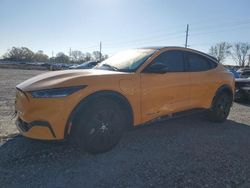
244,72
85,65
242,89
94,107
242,86
234,72
59,66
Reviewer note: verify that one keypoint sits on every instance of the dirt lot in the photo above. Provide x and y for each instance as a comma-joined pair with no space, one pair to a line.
185,152
9,78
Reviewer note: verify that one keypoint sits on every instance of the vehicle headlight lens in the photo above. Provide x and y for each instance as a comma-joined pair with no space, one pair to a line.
56,92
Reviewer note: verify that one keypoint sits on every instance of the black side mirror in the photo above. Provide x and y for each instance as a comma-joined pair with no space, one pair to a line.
156,67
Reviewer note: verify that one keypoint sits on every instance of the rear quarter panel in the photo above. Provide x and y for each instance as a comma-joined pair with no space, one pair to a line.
219,77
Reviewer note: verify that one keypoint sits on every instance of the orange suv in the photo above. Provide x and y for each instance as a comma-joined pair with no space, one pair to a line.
94,107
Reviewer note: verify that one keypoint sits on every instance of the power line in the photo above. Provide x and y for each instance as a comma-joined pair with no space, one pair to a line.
91,47
220,25
236,23
166,38
152,38
220,30
227,24
143,39
147,42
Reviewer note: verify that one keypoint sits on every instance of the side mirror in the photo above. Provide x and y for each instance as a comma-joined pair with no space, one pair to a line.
156,67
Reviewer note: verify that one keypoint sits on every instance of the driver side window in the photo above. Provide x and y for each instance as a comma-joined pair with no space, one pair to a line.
171,61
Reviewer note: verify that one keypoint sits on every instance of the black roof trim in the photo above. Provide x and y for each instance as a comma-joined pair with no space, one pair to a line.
182,48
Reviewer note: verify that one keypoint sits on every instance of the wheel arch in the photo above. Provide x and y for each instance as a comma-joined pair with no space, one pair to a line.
224,88
114,95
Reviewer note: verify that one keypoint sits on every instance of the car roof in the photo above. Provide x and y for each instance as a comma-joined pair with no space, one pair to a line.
181,48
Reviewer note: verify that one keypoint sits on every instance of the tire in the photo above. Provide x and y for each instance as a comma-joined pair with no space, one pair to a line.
100,126
220,107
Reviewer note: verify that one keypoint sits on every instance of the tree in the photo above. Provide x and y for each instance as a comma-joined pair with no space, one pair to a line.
24,54
105,57
96,55
19,54
87,56
220,51
61,58
240,52
40,56
77,56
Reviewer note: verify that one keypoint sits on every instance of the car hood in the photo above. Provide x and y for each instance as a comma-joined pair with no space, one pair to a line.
65,78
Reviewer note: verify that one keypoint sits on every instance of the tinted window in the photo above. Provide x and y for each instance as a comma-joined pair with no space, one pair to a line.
213,64
172,59
199,63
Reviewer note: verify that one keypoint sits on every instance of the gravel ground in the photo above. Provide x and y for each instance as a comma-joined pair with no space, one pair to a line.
184,152
9,78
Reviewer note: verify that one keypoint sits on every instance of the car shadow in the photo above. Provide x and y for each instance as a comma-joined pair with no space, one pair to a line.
188,151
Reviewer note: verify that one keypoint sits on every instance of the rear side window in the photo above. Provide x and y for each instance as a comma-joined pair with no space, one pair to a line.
199,63
173,59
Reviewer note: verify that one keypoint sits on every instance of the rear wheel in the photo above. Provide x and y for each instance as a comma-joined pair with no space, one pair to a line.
100,126
220,108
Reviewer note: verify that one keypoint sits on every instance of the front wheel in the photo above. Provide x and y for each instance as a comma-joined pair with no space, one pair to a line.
100,126
220,108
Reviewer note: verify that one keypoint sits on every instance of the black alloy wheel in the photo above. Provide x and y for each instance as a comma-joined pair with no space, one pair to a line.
100,126
220,108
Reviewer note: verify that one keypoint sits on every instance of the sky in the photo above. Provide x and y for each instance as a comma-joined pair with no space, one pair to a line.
58,25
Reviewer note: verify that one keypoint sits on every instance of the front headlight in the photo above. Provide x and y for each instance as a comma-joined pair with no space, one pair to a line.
56,92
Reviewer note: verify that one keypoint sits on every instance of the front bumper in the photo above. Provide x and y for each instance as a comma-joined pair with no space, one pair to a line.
36,129
43,119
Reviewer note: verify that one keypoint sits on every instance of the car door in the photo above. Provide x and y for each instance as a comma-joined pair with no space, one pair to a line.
203,79
164,85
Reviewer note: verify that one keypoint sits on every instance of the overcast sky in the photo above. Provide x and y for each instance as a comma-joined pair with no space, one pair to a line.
58,25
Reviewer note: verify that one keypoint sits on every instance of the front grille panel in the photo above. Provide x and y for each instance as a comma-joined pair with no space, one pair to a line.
24,126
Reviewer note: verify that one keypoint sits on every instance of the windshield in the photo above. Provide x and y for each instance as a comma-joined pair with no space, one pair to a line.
126,61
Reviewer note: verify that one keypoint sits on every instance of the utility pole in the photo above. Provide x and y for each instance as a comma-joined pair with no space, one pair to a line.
100,51
70,52
187,36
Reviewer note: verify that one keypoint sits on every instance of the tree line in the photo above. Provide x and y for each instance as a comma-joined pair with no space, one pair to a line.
239,52
24,54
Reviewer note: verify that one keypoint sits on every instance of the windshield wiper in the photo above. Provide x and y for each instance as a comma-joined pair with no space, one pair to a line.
110,66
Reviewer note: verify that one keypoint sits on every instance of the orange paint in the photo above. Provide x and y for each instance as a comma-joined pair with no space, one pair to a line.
150,95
